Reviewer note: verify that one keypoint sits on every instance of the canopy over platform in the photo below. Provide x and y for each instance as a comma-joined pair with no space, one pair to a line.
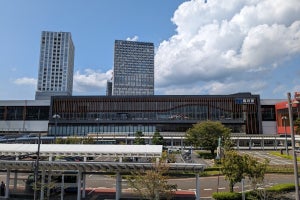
92,167
83,150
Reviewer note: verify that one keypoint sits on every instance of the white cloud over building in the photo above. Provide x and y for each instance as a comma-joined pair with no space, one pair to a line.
223,47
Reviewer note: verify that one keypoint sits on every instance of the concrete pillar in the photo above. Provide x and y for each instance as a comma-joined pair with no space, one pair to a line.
118,185
50,158
197,187
16,181
83,185
84,159
181,143
7,184
238,144
42,185
120,159
172,142
49,182
62,187
79,185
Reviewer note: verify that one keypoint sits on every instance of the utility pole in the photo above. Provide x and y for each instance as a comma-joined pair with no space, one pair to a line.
293,146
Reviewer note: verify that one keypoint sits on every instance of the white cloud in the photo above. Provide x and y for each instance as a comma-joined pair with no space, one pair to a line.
91,81
25,81
134,38
224,47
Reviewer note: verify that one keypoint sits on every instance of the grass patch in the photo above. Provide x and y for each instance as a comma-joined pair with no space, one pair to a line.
285,169
278,153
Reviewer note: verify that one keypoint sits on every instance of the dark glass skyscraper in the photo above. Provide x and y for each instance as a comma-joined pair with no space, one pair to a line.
56,65
133,68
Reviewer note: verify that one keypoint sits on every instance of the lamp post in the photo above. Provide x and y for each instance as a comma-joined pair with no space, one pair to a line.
293,146
56,117
284,118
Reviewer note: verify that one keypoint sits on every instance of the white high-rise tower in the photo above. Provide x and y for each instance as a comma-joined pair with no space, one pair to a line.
56,65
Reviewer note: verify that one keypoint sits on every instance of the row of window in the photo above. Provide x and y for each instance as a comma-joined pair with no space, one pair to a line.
130,130
24,113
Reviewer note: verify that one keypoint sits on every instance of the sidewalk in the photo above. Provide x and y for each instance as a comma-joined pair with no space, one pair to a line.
104,194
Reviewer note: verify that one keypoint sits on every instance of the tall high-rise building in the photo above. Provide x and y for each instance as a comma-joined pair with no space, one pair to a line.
56,65
133,68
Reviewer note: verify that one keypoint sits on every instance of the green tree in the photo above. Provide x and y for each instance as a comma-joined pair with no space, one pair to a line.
138,138
255,170
297,126
157,138
75,140
233,167
88,140
152,184
206,134
236,167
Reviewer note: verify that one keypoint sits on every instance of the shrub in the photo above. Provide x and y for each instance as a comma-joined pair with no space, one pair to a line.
227,196
286,187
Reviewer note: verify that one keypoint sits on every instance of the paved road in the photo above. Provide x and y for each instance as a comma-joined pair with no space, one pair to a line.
208,185
274,160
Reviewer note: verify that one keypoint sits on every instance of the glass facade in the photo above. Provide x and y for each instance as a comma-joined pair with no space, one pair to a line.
133,68
128,114
268,113
24,113
56,65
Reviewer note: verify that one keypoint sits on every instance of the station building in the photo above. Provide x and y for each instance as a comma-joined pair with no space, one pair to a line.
171,115
168,114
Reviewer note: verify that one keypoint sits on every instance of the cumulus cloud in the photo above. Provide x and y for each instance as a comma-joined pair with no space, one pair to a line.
223,47
91,81
134,38
25,81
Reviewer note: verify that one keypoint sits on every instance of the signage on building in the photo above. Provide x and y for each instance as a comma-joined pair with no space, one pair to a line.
245,101
297,96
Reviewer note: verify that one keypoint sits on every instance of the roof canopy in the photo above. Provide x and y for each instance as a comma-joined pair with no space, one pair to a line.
84,150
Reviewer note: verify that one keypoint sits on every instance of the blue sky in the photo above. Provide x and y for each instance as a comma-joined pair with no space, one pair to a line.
218,47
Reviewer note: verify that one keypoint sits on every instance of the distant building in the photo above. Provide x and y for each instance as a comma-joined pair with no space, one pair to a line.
282,114
56,65
133,68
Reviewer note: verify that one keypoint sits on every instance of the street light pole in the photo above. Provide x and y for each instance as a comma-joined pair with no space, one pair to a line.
286,143
293,146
